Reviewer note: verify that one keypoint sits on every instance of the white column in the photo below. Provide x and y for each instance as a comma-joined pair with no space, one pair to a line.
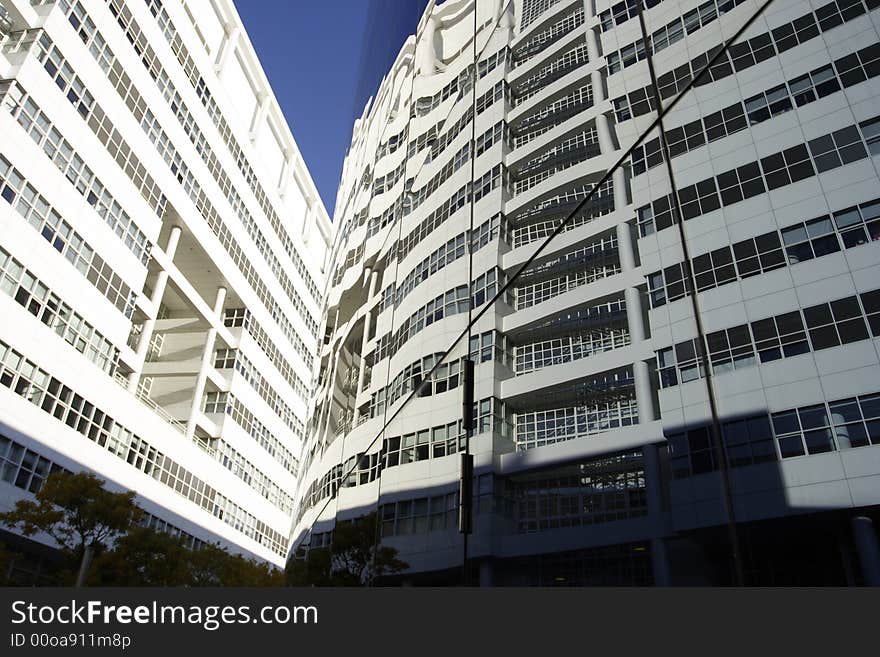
155,299
603,133
660,562
286,173
597,87
259,115
226,47
868,549
592,37
618,179
486,575
207,360
368,318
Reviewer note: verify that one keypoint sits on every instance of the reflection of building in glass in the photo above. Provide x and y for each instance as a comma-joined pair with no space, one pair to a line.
596,438
161,253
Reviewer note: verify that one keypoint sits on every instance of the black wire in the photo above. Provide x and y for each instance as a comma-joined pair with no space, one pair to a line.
726,488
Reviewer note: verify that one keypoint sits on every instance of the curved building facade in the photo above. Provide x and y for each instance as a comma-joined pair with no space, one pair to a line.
685,374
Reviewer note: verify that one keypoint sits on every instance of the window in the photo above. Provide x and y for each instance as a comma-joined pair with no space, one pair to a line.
839,148
726,122
751,52
811,239
871,304
714,269
699,199
789,166
730,349
681,363
740,183
647,156
758,255
838,322
856,421
748,441
871,133
768,104
686,138
859,225
780,336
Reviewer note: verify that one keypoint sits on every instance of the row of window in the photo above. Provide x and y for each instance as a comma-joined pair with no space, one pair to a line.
234,359
822,326
36,297
776,170
532,10
482,186
561,156
178,47
544,427
242,317
803,241
540,220
45,135
534,356
433,442
228,404
35,209
34,384
165,146
446,377
453,302
741,56
597,404
596,260
545,38
238,465
842,73
826,427
548,117
590,492
560,66
26,469
671,33
622,11
76,93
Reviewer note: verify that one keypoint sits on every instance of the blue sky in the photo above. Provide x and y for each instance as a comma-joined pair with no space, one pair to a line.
324,59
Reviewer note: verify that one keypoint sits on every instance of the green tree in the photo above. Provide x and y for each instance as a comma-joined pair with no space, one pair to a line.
353,558
215,566
142,557
78,512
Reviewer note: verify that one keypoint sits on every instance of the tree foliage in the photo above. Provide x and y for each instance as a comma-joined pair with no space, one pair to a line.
78,512
75,510
353,558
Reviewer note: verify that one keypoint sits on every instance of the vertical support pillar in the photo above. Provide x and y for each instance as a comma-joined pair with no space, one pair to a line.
207,359
226,47
368,319
155,299
660,562
603,133
868,549
486,573
259,115
592,38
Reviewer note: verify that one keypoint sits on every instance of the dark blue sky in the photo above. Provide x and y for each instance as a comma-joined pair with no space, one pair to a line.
324,59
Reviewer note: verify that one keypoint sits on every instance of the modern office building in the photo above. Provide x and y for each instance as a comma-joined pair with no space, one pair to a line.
685,383
161,264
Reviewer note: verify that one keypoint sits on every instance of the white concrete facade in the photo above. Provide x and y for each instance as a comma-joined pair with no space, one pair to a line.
143,142
573,377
